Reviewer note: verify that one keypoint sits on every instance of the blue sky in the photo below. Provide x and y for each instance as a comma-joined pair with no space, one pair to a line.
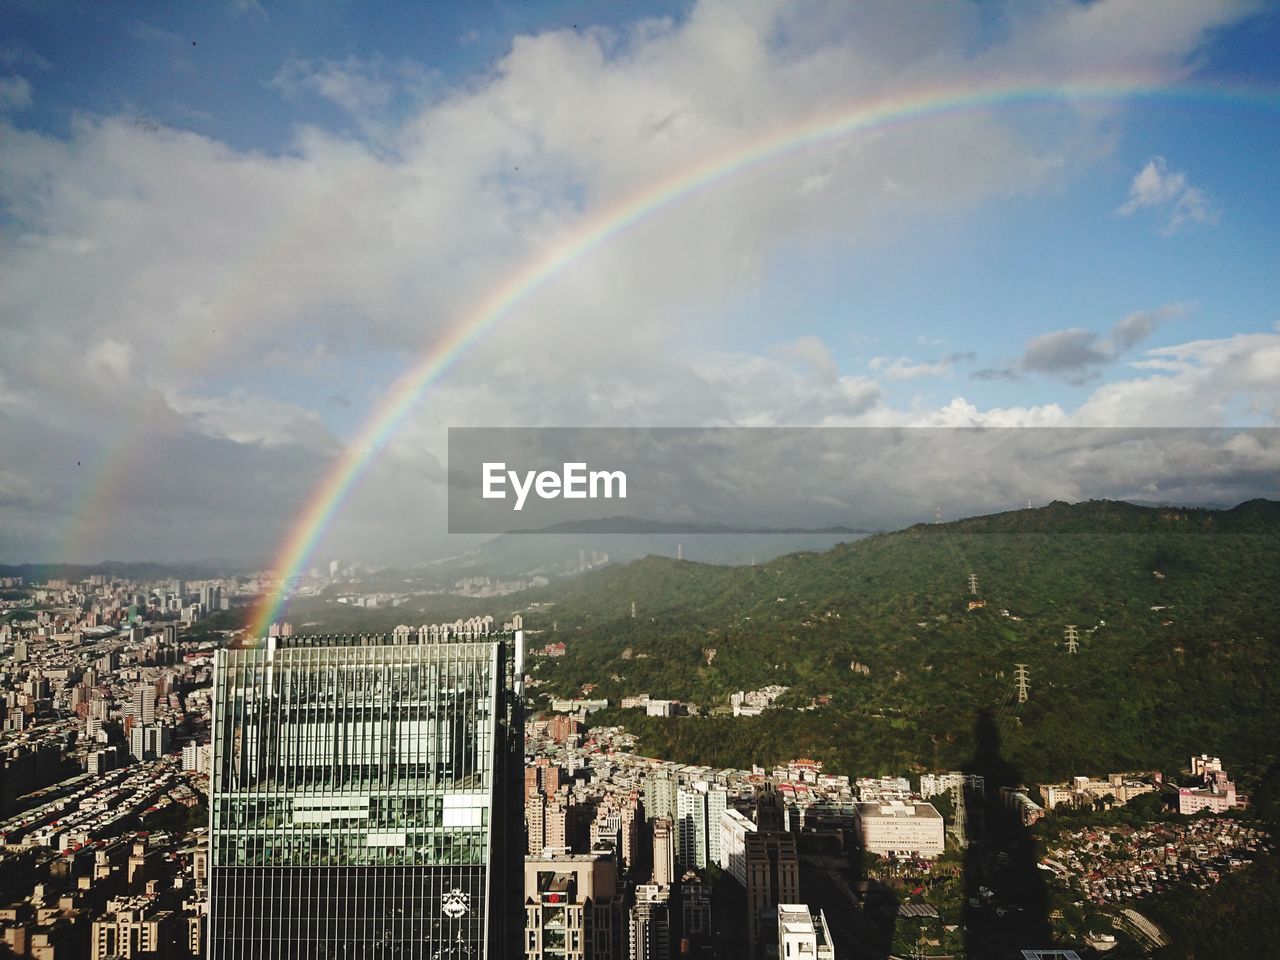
230,226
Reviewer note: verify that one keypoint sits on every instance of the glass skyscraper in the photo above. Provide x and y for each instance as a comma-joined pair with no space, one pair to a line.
366,798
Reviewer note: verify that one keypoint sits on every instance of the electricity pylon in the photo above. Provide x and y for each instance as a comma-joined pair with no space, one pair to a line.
1073,638
1023,679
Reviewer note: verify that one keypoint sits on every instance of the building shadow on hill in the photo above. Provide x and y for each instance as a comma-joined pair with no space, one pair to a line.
1006,899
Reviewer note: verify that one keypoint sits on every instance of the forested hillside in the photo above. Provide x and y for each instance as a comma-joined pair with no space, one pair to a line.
1176,611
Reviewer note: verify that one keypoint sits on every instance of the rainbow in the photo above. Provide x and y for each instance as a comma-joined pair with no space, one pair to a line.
328,496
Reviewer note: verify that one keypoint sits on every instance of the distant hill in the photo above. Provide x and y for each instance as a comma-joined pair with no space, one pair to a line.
1177,611
556,550
143,570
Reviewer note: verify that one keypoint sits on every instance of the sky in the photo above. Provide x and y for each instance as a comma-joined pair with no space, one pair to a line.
227,231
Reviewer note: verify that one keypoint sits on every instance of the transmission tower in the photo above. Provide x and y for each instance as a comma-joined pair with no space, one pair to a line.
958,793
973,583
1023,679
937,514
1073,638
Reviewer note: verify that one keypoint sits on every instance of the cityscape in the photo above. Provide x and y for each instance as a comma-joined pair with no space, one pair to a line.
640,480
173,787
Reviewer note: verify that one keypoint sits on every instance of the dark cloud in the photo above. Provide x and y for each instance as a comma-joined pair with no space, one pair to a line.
1076,354
1063,352
994,373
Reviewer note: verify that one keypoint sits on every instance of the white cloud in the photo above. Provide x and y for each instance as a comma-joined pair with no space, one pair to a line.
358,86
110,359
176,266
247,418
813,353
1228,381
15,93
1157,187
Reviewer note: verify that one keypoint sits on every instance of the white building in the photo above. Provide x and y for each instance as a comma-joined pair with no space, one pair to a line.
698,809
734,828
932,784
802,935
883,789
901,828
198,757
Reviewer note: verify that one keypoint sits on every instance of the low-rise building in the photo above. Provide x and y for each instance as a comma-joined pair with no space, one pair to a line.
901,828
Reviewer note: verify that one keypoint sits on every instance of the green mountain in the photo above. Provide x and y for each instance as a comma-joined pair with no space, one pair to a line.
1176,610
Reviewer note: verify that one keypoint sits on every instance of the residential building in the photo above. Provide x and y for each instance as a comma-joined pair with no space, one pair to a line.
651,923
664,852
734,827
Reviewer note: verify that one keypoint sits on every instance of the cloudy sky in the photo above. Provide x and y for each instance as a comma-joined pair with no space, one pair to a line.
228,229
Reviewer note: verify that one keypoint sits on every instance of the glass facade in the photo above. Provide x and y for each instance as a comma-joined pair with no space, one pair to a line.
365,799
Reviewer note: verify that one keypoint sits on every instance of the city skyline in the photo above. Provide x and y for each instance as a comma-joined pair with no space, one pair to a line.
236,236
950,752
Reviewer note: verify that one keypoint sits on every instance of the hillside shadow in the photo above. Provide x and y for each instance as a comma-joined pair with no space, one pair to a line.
1006,899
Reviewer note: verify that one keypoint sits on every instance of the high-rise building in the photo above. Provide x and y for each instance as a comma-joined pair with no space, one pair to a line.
691,833
695,906
543,777
143,704
211,598
573,910
773,877
535,824
660,796
148,742
366,798
664,852
651,923
555,837
698,809
734,827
